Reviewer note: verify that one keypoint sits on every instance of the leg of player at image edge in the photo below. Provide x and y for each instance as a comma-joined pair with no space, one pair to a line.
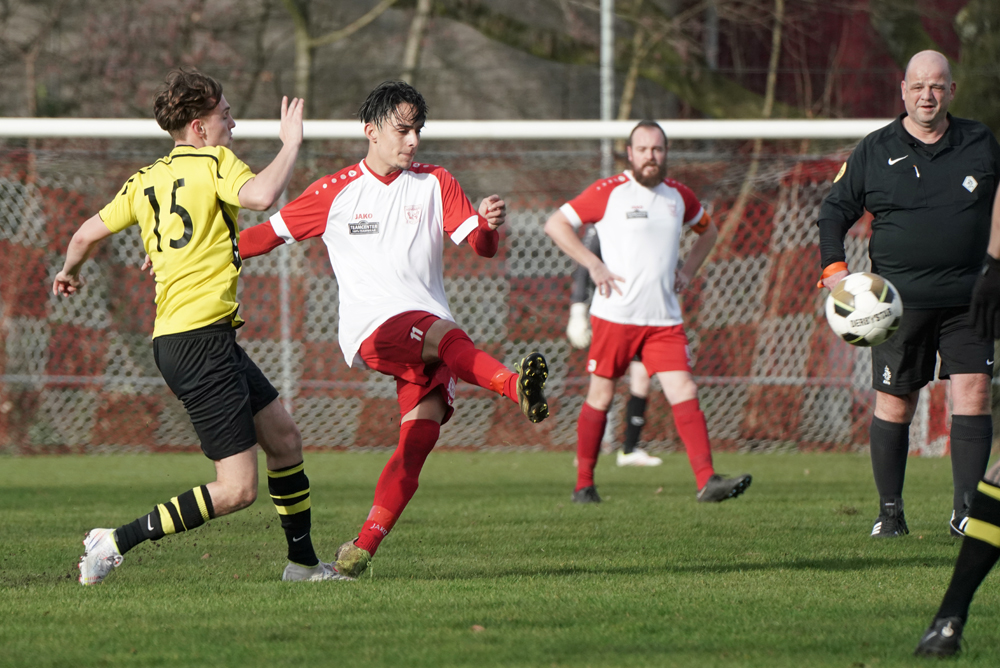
980,551
693,431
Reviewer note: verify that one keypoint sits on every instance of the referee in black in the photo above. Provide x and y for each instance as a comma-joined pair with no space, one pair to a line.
929,180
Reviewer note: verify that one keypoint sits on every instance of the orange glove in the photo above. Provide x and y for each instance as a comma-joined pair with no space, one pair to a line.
830,271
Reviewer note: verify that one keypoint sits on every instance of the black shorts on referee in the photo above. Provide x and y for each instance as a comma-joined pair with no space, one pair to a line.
905,363
220,386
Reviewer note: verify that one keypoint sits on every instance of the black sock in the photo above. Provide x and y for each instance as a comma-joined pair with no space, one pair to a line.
971,442
980,550
289,488
635,419
182,513
890,444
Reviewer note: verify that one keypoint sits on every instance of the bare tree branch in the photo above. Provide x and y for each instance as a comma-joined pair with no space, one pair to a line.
411,54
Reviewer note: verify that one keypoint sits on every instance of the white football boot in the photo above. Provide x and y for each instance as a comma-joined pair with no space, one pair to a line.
638,457
101,556
318,573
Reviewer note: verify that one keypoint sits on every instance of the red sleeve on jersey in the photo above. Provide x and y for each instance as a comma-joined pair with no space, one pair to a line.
457,207
692,207
306,216
483,240
258,240
591,204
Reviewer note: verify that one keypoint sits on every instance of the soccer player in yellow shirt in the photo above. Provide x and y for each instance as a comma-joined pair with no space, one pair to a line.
186,205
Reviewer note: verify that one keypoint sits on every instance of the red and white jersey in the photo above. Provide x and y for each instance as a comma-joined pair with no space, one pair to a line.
385,236
640,231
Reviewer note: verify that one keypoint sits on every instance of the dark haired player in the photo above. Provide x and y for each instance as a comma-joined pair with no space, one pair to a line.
384,221
929,179
186,205
639,216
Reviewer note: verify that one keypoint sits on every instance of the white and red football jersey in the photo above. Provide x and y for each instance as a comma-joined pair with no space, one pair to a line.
640,232
385,236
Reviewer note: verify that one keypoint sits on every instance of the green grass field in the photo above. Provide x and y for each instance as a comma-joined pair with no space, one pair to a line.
490,565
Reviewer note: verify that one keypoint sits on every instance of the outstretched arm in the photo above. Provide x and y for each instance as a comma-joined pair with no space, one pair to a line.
262,191
81,246
258,240
561,231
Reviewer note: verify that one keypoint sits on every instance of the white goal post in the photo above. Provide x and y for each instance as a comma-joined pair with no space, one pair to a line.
131,128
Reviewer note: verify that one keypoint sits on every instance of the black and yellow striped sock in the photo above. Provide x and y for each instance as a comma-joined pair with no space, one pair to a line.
980,551
289,489
182,513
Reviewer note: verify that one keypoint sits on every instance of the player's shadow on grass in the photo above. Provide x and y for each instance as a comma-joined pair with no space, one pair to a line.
666,567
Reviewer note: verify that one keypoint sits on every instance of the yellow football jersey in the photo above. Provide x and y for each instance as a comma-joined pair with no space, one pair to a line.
186,206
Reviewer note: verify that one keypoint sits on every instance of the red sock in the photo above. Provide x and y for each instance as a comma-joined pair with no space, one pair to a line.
398,481
474,366
589,432
693,430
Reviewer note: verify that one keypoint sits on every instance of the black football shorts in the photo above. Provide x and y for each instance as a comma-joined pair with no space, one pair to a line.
220,386
906,361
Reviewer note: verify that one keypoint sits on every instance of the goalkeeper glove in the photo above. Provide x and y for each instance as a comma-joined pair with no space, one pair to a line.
833,268
578,328
984,313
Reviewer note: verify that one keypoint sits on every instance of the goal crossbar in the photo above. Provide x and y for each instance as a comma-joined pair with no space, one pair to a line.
131,128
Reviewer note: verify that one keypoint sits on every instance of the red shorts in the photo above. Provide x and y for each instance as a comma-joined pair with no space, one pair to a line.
614,346
396,349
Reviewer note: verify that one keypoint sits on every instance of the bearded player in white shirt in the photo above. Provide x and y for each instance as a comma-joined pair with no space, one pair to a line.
639,216
384,221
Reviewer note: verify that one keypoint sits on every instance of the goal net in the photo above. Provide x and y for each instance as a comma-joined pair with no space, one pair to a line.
77,374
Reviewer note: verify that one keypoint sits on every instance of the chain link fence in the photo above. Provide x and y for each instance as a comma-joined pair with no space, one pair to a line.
77,374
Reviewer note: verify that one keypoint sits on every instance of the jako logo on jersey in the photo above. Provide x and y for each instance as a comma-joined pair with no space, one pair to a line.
887,376
412,213
637,212
366,227
451,391
364,216
591,366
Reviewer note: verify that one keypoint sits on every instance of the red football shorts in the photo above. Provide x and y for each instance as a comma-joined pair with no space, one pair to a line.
395,349
613,347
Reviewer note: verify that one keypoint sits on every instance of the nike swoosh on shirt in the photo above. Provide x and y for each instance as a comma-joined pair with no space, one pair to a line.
295,540
894,161
149,522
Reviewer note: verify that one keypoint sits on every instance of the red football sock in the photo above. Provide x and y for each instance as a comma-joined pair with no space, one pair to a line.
589,432
398,481
474,366
693,430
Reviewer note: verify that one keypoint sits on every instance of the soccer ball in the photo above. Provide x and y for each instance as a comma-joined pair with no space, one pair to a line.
864,309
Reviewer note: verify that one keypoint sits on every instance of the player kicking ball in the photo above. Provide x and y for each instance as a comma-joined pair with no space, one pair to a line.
186,205
639,216
384,222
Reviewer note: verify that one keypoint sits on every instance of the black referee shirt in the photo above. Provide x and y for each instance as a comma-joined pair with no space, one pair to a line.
932,205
